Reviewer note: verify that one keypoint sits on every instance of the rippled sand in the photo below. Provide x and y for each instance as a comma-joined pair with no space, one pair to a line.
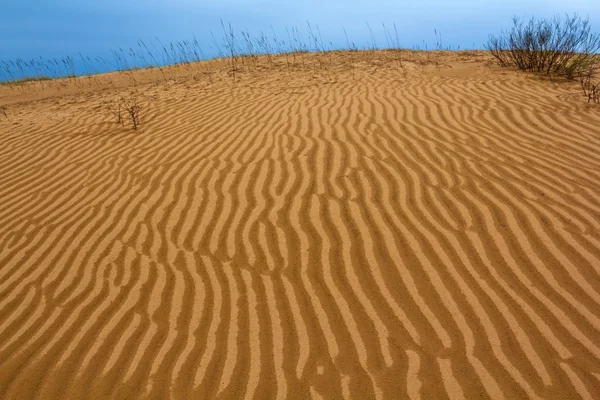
352,230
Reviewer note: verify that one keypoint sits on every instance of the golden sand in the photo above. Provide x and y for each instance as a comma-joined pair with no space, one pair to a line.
325,226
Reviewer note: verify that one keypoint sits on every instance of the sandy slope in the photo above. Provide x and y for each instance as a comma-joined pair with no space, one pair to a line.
350,231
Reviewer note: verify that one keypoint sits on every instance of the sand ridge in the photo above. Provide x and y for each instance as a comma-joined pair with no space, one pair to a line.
365,231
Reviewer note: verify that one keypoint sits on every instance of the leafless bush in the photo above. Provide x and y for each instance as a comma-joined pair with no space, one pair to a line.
130,107
565,47
134,109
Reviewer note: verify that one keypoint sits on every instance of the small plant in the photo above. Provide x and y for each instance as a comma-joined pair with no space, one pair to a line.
134,110
4,111
129,107
591,86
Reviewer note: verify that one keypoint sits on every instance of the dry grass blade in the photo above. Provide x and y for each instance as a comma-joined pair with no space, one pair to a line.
116,109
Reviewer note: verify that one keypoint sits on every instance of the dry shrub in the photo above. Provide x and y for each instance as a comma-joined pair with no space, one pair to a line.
563,47
129,107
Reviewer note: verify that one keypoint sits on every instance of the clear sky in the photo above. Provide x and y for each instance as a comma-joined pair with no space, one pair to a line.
56,28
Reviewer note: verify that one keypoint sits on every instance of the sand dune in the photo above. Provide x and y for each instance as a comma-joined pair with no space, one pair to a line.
363,231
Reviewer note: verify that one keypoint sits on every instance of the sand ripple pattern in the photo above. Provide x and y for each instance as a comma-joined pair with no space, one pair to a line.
422,237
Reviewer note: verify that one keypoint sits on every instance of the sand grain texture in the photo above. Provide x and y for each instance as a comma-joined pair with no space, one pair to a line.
358,233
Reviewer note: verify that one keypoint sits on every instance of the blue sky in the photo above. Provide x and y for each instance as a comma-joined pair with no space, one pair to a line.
33,28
